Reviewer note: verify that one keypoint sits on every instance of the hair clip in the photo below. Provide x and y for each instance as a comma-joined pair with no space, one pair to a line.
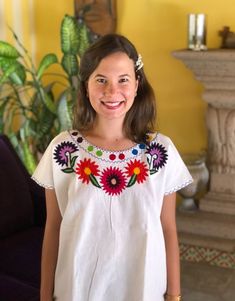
139,63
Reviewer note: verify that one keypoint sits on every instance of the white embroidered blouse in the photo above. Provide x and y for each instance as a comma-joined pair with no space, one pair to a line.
111,241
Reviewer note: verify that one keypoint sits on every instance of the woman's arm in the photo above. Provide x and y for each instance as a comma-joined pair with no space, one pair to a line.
50,246
171,241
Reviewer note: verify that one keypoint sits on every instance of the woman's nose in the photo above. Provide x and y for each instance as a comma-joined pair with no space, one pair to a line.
111,89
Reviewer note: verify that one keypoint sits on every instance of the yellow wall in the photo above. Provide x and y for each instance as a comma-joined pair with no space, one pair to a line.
157,27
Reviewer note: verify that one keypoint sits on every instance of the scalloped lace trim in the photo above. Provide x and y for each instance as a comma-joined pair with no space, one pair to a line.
42,184
179,187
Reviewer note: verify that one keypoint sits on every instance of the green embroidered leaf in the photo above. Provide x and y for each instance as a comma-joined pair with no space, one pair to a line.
153,171
68,170
94,181
148,160
132,180
73,160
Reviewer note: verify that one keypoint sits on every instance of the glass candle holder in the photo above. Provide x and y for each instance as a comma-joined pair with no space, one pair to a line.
197,32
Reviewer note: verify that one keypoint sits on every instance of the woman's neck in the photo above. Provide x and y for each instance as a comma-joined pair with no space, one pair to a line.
109,135
108,129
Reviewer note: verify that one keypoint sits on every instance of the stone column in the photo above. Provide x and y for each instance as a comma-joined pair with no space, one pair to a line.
216,70
213,225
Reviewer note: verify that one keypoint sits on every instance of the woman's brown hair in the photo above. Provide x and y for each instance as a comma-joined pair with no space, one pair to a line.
140,119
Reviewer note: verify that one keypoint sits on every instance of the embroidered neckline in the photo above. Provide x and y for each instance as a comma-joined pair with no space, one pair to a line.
112,179
106,155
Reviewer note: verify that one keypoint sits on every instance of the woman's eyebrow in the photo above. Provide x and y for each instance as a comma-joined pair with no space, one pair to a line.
100,75
121,75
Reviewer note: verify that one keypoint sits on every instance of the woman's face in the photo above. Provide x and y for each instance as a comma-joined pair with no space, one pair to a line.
112,86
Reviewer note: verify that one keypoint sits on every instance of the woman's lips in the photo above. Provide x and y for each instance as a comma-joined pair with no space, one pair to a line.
113,105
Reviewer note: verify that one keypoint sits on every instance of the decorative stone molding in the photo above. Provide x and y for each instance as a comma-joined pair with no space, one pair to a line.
215,69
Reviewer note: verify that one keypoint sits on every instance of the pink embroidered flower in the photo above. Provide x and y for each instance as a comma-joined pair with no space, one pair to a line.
113,180
87,170
63,151
137,170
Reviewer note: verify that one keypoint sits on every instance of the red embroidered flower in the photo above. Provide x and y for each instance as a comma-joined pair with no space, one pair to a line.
137,170
113,180
86,170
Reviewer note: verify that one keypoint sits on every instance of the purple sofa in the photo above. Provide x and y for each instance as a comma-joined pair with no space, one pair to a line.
22,220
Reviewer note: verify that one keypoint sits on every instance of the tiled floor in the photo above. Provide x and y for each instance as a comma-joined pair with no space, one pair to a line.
203,282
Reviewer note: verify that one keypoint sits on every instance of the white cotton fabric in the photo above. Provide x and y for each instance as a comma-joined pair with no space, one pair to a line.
111,246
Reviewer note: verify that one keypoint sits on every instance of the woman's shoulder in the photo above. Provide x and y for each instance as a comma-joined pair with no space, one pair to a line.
64,136
158,137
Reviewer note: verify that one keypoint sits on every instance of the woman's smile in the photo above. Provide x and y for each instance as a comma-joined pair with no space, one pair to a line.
113,105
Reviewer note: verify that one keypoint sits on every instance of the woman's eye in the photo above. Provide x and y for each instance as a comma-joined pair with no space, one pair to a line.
123,80
101,80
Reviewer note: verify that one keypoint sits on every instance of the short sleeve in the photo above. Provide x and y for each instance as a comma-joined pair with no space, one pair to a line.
43,174
177,175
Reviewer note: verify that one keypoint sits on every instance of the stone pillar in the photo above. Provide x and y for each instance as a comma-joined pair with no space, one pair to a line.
213,225
216,70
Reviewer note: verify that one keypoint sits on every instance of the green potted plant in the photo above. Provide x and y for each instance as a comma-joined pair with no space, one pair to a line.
31,113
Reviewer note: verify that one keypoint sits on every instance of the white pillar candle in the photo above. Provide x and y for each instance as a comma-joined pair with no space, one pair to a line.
197,32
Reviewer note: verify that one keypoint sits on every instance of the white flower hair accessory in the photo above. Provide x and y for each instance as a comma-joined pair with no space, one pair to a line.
139,63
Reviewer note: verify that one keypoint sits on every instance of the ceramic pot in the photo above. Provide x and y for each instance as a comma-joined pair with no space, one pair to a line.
198,170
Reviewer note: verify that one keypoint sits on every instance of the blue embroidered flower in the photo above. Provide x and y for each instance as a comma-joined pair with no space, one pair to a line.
63,151
158,156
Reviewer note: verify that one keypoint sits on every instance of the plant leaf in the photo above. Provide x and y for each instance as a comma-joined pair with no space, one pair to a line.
64,112
83,38
48,101
7,50
15,72
45,63
69,35
28,157
70,64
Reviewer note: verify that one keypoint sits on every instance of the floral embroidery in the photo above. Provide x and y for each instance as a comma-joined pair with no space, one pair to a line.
113,180
87,170
138,172
63,153
158,156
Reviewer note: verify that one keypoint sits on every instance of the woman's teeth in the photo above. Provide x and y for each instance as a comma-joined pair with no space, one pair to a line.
112,104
